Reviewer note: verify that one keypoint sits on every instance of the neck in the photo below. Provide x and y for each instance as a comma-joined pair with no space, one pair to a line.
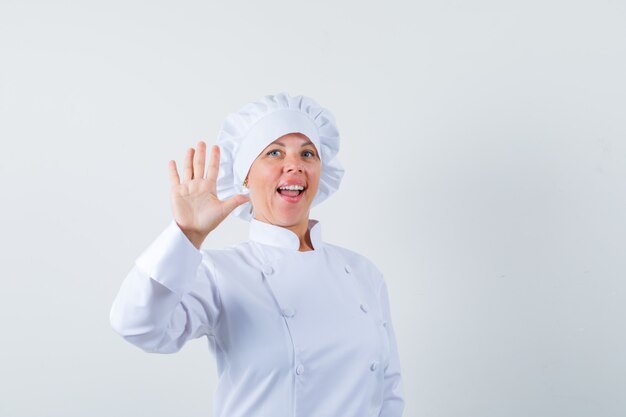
302,231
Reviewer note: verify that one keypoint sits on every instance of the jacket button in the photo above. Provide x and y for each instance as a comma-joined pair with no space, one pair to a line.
374,365
268,270
300,370
364,307
384,324
288,312
348,269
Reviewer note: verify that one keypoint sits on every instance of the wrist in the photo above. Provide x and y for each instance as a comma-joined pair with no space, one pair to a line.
196,238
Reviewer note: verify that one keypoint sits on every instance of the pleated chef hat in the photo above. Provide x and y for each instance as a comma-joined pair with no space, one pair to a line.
248,131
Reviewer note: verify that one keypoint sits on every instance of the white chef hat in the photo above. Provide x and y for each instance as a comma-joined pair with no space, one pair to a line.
248,131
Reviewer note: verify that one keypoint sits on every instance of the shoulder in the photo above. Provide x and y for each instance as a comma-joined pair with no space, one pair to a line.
236,252
351,255
357,263
231,263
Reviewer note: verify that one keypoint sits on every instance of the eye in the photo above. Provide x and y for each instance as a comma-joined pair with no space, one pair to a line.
310,153
271,153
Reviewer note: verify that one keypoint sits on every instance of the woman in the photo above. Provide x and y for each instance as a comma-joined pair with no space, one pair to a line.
298,326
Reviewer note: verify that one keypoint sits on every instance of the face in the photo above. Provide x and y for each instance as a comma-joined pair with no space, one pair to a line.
291,160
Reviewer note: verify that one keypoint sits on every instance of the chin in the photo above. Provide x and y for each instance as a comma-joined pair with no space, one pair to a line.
289,217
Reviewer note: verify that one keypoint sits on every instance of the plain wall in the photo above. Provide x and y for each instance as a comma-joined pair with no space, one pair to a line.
485,155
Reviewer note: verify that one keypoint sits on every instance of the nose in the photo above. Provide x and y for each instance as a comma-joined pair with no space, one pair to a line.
293,164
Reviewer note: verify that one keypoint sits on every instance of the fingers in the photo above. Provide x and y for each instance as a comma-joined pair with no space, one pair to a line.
187,167
174,178
194,162
199,161
233,202
214,164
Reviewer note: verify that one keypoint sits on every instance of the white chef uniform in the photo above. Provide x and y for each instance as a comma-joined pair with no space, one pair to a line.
298,334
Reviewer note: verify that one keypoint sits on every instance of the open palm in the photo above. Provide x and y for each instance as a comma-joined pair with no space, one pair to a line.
195,205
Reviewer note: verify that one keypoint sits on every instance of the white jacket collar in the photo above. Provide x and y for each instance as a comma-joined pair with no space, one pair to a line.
270,234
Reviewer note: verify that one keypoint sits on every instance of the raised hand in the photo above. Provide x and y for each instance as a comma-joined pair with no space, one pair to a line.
195,205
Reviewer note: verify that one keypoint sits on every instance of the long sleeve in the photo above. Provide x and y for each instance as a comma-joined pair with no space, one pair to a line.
168,297
393,397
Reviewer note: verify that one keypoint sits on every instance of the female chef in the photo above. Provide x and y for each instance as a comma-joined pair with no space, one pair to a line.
298,326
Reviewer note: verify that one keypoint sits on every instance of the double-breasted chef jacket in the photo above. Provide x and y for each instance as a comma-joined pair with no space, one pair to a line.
298,334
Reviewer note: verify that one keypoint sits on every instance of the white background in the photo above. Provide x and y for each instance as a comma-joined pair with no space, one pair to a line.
485,155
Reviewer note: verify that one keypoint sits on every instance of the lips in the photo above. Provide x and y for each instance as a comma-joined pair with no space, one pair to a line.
291,199
292,182
290,193
291,196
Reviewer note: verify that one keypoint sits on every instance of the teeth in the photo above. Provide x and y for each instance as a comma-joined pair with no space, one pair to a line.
292,187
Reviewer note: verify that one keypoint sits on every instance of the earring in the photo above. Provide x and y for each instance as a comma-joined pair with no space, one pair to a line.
245,182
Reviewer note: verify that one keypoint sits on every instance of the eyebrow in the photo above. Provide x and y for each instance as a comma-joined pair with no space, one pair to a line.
303,145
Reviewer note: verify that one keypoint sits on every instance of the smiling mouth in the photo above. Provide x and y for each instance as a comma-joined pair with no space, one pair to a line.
291,191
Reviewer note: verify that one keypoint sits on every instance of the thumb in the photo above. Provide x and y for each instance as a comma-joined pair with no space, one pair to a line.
235,201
